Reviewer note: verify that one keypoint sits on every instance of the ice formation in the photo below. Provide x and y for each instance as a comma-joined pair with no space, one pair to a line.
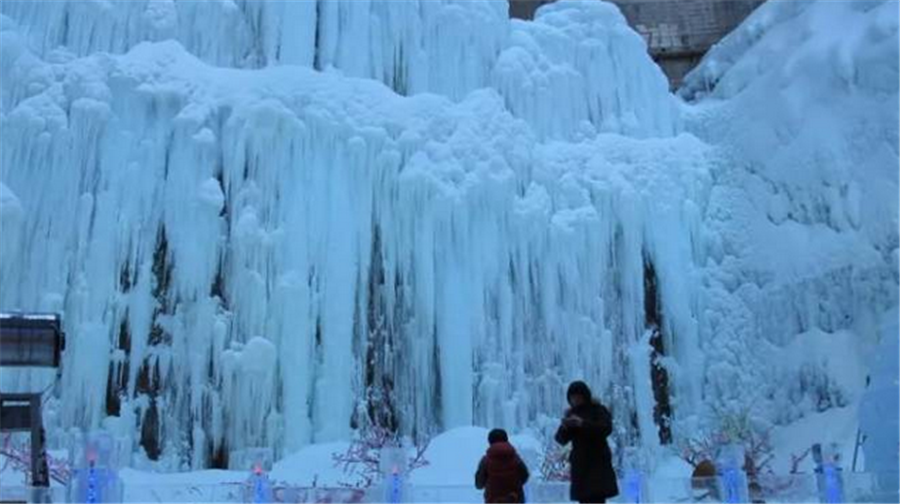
268,223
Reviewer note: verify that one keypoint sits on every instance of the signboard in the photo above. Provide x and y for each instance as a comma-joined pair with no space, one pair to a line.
22,412
31,340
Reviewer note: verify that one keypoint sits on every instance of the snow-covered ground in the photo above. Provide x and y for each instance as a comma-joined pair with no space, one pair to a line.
452,459
263,235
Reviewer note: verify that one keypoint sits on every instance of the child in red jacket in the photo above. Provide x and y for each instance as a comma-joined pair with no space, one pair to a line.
501,473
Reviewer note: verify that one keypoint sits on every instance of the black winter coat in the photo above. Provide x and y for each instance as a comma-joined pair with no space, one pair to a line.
592,472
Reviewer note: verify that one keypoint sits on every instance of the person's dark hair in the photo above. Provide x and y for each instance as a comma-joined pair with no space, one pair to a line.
497,436
579,388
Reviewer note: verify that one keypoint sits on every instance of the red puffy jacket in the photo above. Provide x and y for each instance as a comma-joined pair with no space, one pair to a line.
502,474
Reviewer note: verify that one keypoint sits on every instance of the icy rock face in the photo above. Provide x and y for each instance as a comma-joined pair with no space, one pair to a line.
416,214
401,254
805,218
579,68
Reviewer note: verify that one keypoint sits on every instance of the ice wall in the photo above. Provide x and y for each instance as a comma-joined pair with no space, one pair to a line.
805,219
423,215
271,257
578,60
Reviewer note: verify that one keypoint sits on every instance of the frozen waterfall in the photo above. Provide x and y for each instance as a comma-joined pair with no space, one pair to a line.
268,223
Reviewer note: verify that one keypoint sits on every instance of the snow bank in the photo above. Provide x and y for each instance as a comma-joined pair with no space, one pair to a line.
313,464
453,456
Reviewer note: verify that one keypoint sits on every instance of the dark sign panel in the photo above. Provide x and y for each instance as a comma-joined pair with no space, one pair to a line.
30,340
15,417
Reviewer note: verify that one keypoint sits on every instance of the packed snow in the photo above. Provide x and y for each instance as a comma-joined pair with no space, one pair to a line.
270,224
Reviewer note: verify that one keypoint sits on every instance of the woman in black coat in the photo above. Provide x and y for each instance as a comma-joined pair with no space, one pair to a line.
587,424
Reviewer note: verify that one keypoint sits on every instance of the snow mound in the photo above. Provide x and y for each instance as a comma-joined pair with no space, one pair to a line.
313,464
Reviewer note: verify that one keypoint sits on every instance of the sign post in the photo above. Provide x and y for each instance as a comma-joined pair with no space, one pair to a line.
30,340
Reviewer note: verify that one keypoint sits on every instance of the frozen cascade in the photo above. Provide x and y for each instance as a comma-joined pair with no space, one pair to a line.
262,236
574,58
811,133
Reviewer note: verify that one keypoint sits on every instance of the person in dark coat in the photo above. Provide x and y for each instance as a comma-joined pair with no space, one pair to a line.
587,424
501,473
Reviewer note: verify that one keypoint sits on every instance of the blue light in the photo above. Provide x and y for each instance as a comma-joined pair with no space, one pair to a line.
731,485
259,490
396,487
832,484
92,484
634,486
